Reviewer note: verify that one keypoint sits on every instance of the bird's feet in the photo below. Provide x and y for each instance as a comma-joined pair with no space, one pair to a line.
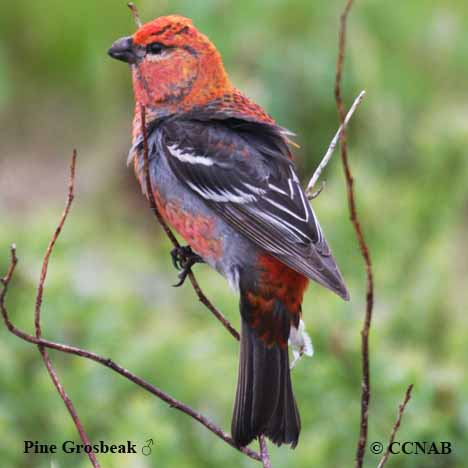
183,258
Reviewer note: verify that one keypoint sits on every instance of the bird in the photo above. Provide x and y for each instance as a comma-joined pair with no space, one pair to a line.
222,174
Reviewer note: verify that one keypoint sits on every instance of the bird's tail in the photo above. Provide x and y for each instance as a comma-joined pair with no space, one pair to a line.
264,403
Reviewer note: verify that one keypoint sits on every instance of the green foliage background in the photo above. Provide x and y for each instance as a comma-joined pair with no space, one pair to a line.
109,284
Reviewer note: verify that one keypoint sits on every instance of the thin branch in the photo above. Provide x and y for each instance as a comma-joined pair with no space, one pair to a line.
149,193
396,426
37,313
114,366
135,14
50,247
7,278
208,304
366,389
5,281
331,149
201,295
68,403
264,452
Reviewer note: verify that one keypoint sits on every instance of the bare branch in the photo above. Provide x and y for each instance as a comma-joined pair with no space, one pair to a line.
264,452
37,313
396,426
50,247
68,403
331,149
135,14
149,190
5,283
11,269
208,304
118,369
314,195
366,389
201,296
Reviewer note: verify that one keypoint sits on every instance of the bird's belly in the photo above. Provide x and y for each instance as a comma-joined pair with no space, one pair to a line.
196,228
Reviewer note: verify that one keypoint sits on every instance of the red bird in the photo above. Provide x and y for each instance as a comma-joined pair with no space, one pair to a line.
223,176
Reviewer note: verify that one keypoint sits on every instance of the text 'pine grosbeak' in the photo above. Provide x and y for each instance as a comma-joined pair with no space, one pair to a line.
223,176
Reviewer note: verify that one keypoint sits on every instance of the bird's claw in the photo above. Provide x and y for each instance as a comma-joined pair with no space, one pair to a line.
183,258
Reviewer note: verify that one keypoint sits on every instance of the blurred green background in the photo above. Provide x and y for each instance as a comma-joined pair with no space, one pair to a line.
109,287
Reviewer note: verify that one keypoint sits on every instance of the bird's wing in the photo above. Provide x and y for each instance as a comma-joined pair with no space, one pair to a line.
243,172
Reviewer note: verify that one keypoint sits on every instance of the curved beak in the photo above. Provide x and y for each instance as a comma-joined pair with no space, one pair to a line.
123,49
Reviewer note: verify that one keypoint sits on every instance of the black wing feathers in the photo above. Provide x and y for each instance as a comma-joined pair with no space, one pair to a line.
244,172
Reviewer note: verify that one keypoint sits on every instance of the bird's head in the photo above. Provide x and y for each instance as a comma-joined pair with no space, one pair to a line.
173,65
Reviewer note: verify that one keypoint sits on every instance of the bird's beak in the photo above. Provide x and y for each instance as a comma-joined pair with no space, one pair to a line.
124,49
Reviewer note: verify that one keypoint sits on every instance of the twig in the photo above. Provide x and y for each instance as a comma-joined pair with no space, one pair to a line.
5,281
37,312
111,365
7,278
264,452
396,426
366,390
68,403
135,14
50,247
208,304
201,295
149,192
314,195
331,149
37,315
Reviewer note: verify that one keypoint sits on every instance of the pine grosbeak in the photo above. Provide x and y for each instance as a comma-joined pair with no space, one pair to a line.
223,176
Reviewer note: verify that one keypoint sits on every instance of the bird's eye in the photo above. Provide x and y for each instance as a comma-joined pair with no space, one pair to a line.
155,48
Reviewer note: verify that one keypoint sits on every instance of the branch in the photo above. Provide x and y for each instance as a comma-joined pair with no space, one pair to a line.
331,148
264,452
396,426
201,295
149,193
37,313
366,389
135,14
50,247
40,342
